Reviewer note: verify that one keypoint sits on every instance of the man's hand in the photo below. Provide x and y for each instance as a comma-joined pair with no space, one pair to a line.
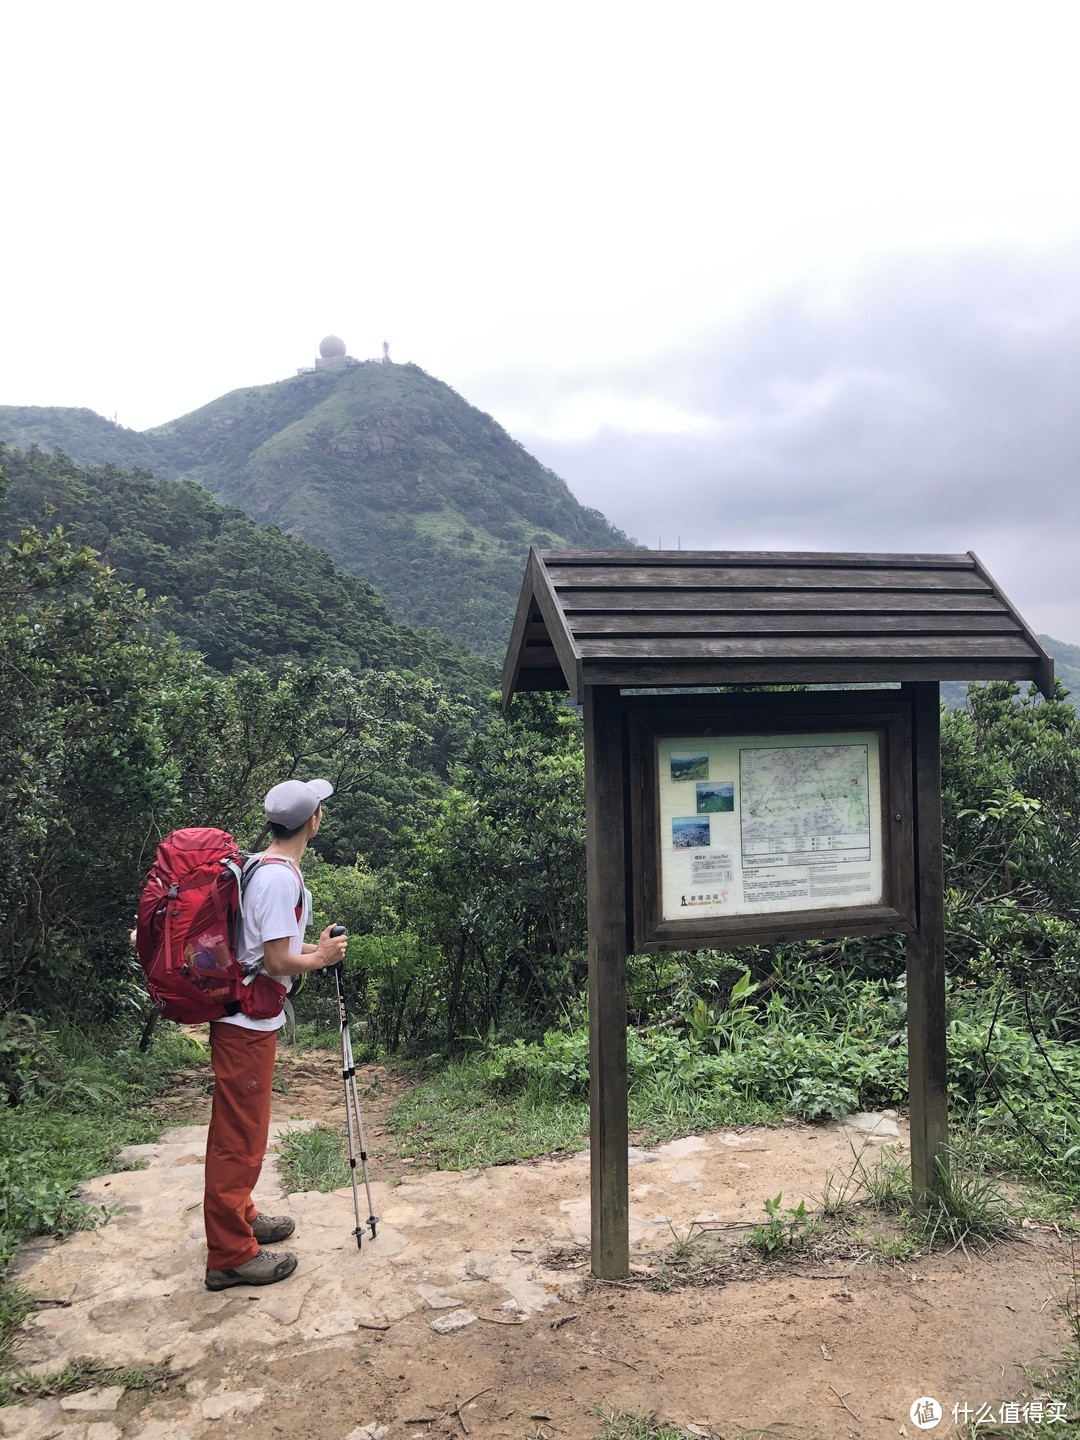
331,948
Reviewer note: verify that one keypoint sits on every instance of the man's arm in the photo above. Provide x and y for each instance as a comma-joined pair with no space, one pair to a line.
279,960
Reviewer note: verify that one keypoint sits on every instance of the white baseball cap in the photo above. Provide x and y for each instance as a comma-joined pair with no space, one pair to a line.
294,801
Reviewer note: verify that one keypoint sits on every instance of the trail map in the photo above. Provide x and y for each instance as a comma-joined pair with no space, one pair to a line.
805,805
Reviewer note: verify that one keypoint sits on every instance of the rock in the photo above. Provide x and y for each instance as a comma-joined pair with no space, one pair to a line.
284,1305
115,1317
335,1322
103,1430
132,1155
436,1299
96,1399
867,1122
489,1264
636,1156
529,1296
680,1149
232,1402
456,1320
368,1432
27,1422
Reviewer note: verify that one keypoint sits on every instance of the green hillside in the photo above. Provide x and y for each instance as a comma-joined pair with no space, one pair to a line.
236,591
387,469
1066,665
83,434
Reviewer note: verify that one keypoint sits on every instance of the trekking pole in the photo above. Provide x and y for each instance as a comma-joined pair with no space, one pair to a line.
353,1121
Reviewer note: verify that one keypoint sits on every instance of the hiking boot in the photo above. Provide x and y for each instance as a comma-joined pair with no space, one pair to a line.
265,1268
272,1229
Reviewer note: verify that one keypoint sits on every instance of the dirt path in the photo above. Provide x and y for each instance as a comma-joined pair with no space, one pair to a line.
832,1345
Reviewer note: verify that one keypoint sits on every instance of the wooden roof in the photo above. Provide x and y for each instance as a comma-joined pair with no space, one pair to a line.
644,618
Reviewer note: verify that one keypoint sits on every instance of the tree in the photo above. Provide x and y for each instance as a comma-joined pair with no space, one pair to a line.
1011,802
86,771
496,883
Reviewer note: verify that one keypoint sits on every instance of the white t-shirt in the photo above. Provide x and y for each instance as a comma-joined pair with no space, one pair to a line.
270,898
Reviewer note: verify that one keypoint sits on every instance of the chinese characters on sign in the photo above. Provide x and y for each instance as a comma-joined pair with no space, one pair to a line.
763,824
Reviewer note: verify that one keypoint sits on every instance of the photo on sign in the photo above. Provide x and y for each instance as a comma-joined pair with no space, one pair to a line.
715,795
691,833
689,765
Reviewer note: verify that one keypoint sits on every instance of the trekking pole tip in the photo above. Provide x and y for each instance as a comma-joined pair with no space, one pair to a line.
359,1233
373,1220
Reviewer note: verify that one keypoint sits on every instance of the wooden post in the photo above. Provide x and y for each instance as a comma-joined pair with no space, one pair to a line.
927,1054
605,825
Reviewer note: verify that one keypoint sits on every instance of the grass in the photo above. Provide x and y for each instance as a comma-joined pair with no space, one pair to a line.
313,1159
14,1307
968,1208
442,1123
627,1425
884,1185
87,1100
81,1375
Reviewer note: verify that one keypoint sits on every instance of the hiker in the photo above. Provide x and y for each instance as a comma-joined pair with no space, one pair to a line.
276,913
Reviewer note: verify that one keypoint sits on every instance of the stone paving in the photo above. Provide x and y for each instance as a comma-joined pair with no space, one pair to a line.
451,1247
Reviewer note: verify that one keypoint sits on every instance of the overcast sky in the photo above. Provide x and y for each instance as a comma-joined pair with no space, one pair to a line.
748,275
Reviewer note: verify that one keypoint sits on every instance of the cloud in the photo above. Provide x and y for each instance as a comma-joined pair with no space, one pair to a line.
933,405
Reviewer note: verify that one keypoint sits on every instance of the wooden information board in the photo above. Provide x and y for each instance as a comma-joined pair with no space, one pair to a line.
756,819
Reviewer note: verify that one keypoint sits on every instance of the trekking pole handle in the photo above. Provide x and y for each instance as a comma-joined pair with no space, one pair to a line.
335,931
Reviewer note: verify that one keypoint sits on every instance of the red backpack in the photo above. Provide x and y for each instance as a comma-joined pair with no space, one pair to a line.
186,932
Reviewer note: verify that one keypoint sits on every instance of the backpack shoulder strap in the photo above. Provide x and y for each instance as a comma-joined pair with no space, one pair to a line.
252,863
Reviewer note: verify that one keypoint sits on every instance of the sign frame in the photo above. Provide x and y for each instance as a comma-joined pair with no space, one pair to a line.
652,718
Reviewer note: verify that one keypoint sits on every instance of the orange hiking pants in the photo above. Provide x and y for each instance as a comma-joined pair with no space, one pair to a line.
243,1063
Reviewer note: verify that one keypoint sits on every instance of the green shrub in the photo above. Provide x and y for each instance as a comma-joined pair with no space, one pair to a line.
36,1201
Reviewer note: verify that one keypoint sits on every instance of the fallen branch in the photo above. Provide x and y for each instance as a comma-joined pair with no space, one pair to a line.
843,1402
458,1408
613,1359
